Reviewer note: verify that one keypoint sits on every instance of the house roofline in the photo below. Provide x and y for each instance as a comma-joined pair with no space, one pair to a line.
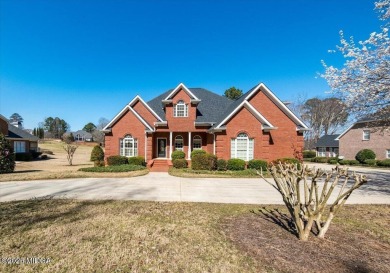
127,107
194,99
138,98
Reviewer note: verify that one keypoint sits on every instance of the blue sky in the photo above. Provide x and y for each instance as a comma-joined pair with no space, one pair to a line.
83,60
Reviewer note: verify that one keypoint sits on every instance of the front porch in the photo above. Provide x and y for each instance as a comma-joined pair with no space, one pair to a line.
160,146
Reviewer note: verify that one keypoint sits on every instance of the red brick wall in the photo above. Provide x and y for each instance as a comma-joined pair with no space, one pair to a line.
3,127
352,142
267,145
127,124
144,113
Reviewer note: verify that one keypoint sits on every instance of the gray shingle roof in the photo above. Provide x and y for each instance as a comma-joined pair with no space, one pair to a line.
328,141
15,132
211,108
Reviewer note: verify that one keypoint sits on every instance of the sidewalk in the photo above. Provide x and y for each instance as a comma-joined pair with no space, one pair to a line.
163,187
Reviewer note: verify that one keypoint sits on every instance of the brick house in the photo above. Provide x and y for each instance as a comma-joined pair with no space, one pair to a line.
365,134
20,140
327,146
255,126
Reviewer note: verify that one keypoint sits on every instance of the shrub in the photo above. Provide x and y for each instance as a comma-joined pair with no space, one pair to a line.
221,165
180,163
178,155
353,162
114,169
370,162
7,159
236,164
116,160
98,163
97,153
384,163
333,161
204,161
23,157
344,162
320,159
35,154
257,164
44,157
196,152
137,160
365,154
309,154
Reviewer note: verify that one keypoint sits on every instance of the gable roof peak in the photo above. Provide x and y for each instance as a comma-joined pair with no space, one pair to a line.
181,85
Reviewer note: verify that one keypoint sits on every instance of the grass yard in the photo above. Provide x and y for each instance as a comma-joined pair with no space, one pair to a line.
57,167
129,236
188,172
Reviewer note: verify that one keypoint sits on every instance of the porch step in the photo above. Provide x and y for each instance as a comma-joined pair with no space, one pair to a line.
159,166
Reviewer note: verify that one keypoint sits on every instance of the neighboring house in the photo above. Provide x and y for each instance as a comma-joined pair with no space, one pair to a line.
21,141
365,134
82,135
255,126
327,146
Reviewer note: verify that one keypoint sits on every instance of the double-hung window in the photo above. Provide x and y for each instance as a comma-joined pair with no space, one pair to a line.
242,147
179,143
366,134
197,143
388,153
19,146
129,146
181,109
321,151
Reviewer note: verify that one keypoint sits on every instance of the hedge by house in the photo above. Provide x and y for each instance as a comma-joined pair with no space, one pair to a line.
221,165
180,163
7,159
178,155
114,169
365,154
97,153
116,160
309,154
286,160
257,164
23,156
137,160
196,152
204,161
236,164
383,163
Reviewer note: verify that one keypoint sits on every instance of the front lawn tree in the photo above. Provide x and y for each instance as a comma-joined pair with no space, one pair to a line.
306,192
90,127
233,93
70,149
363,83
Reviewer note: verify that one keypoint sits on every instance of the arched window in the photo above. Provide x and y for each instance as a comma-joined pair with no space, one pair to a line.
179,143
128,146
242,147
197,143
181,109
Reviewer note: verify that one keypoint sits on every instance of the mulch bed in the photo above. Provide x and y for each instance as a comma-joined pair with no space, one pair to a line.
277,248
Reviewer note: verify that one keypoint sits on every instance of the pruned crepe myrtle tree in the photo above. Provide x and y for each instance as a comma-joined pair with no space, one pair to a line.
363,83
307,194
70,149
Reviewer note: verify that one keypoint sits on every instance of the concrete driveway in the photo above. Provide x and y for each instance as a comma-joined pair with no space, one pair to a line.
163,187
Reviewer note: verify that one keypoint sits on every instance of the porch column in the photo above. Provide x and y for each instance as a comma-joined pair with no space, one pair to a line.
214,143
170,144
189,146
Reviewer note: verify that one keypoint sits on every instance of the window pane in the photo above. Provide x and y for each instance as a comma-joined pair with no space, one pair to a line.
250,151
197,143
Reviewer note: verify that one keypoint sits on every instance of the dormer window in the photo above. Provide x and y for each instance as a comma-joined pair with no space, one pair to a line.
181,109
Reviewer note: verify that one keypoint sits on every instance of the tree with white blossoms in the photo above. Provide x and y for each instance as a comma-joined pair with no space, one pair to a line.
363,83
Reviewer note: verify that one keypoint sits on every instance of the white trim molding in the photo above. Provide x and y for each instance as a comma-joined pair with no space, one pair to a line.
168,99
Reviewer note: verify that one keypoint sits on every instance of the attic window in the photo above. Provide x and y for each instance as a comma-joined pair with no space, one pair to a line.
181,109
366,134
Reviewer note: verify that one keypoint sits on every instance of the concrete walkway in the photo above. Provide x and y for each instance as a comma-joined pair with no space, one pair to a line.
163,187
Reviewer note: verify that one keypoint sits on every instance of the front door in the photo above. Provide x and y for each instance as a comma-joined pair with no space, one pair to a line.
162,147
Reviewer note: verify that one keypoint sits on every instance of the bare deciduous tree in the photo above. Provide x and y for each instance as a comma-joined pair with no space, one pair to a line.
70,149
307,192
